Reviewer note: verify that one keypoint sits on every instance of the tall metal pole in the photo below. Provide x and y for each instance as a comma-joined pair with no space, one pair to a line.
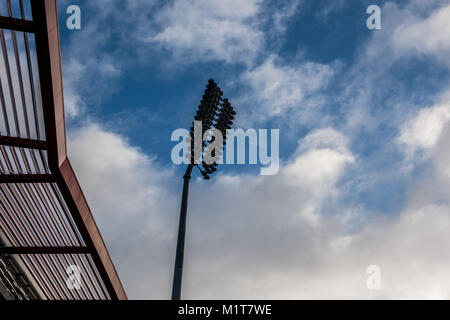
178,271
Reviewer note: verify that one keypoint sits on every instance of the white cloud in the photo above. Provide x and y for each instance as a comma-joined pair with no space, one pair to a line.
326,138
390,76
202,30
85,78
137,210
136,216
73,103
286,236
282,13
275,239
91,65
425,36
193,31
421,133
277,88
321,158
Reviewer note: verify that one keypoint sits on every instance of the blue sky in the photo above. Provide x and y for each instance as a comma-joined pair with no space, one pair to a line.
362,117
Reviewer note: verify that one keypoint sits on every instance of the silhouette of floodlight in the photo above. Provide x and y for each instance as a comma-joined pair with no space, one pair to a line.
214,112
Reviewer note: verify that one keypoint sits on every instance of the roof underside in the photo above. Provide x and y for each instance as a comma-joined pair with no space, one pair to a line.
46,227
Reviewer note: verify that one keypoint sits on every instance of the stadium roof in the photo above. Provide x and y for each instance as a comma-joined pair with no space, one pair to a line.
45,222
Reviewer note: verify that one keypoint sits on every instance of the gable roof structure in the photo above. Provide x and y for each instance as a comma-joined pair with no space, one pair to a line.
47,230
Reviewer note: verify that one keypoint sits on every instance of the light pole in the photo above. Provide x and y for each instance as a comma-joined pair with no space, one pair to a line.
214,112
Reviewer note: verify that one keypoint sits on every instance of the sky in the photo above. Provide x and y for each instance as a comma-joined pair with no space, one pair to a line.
364,120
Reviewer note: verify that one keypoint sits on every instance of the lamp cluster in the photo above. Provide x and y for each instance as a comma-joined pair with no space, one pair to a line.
214,112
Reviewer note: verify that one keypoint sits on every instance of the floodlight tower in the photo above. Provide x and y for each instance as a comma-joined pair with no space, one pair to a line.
214,112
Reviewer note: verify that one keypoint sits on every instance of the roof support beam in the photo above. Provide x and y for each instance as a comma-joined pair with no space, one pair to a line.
16,24
23,143
44,250
45,15
27,178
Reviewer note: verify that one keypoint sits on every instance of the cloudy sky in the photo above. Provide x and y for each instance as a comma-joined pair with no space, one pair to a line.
364,119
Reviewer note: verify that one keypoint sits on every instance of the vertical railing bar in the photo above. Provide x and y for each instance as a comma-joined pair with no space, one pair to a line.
22,90
44,162
30,74
16,160
11,92
19,76
5,113
10,85
7,160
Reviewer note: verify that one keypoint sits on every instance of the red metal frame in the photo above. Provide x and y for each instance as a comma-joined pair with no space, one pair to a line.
25,196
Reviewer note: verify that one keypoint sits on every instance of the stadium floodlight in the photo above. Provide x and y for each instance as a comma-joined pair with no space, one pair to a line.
216,115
